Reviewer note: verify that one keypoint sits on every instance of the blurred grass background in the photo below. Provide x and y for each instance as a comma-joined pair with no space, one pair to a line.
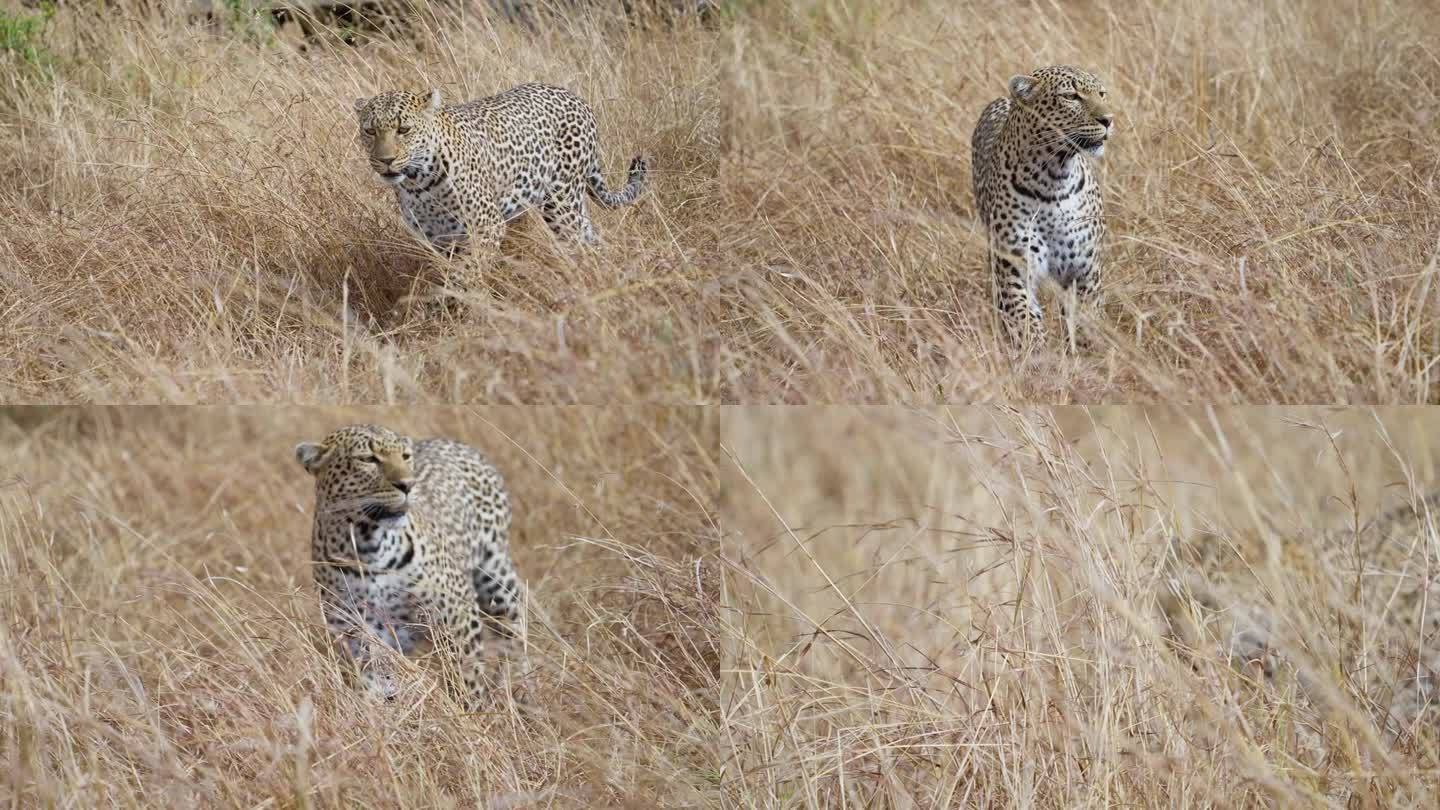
957,607
161,645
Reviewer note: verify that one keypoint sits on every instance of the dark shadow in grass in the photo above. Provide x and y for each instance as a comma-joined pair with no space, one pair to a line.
389,285
371,278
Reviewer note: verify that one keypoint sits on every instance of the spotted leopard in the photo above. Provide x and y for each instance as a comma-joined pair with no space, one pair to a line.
410,535
1372,589
461,172
1037,196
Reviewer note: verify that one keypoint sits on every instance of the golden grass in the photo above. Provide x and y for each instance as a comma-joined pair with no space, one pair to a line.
922,608
189,217
957,608
1271,192
161,645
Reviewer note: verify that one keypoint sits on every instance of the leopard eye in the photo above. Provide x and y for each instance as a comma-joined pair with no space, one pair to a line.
369,131
372,459
1072,96
403,130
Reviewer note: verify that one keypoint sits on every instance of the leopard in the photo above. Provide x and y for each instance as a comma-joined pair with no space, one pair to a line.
1244,595
462,172
408,536
1038,198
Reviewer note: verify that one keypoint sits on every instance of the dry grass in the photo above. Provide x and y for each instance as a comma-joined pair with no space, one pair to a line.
159,633
189,217
1273,195
958,608
926,609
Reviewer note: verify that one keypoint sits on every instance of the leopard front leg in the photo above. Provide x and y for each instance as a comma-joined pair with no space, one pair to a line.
461,618
1077,237
467,271
1078,304
365,639
501,598
1015,273
463,261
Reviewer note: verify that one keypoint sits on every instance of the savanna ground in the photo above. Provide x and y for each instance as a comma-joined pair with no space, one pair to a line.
189,216
1272,192
957,608
161,645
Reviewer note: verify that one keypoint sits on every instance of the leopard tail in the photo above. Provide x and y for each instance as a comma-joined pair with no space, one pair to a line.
626,195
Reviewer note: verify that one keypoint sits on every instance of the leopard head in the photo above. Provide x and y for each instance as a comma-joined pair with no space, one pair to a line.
1065,105
361,468
400,132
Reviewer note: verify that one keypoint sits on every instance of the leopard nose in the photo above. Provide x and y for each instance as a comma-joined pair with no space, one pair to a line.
404,486
1103,120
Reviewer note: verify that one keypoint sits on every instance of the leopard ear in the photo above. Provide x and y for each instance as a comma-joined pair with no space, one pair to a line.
1021,87
434,99
312,456
360,104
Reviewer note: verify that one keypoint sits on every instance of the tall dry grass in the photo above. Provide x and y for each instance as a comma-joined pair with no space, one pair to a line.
958,608
188,216
1272,192
161,646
